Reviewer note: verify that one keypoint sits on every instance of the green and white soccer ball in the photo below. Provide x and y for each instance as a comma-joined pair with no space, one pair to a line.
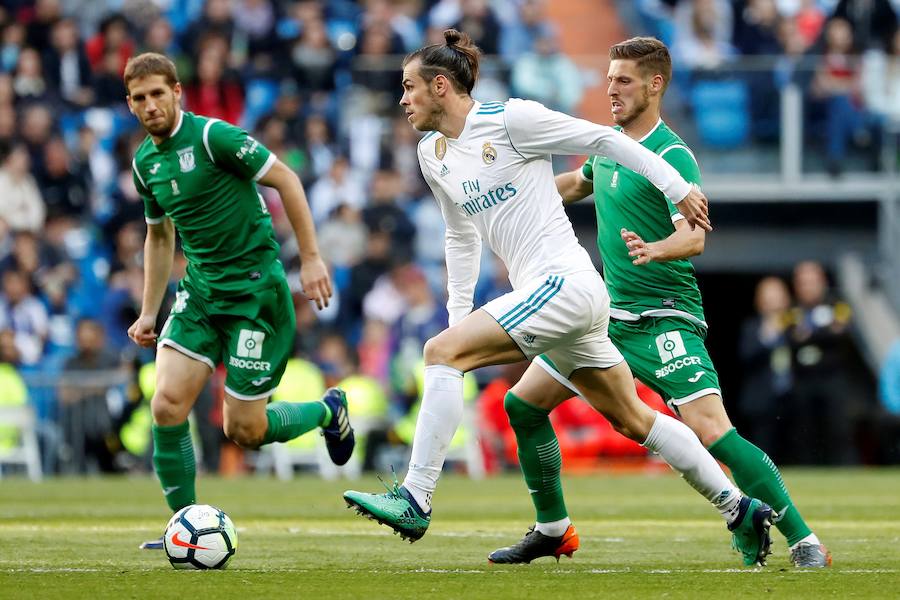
200,536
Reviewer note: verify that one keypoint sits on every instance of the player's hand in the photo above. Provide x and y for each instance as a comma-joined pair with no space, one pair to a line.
640,251
315,282
141,331
695,209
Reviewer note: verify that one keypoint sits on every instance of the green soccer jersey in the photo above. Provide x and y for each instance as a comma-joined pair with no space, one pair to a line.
625,199
204,178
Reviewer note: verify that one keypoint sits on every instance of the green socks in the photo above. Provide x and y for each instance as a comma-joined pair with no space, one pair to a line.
756,474
173,461
539,457
288,420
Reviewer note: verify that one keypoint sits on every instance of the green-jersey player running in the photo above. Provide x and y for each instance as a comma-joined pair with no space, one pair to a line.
198,176
656,314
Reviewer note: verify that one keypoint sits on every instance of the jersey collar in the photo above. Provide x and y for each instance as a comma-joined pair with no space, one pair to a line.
469,118
651,132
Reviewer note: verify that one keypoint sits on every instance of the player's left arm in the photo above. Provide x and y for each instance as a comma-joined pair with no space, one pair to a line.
683,243
313,273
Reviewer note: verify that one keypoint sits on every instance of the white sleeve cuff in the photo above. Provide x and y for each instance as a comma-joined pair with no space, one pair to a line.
154,220
583,178
266,167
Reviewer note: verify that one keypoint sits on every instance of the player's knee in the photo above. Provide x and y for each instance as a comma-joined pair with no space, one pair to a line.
522,414
246,435
440,350
167,408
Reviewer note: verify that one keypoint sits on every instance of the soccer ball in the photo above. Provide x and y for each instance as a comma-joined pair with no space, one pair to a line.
200,536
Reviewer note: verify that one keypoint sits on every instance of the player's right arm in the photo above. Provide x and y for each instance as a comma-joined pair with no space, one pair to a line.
159,250
576,185
535,131
462,250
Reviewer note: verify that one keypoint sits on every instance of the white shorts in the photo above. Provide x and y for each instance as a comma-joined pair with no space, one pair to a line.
563,317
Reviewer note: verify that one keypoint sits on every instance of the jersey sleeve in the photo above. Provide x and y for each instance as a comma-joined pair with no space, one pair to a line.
587,170
536,131
236,151
683,160
153,212
462,249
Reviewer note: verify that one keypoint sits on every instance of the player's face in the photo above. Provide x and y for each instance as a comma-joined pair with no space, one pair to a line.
628,93
423,110
155,103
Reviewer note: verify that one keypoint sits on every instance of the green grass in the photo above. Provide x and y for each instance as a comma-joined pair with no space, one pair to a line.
641,536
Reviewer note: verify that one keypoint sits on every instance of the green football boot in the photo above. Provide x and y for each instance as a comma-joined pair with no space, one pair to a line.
750,531
397,509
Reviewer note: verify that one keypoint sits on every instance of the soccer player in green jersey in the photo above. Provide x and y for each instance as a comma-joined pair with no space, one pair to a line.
198,176
656,314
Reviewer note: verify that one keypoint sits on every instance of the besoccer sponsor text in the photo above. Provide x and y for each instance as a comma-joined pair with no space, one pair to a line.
253,365
676,365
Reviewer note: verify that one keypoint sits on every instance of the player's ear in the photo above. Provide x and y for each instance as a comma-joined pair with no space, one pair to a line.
656,83
440,85
176,89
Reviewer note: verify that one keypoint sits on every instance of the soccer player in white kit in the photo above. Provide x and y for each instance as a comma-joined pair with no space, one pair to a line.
488,166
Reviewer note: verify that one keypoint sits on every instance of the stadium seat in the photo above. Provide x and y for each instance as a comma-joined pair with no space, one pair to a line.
722,113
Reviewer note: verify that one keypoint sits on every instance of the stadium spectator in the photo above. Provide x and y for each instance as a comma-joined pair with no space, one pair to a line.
25,315
64,185
766,366
820,417
703,30
108,88
384,213
343,237
112,36
340,186
13,40
808,21
372,68
213,92
314,58
66,65
881,81
36,127
28,79
215,20
21,203
872,21
836,84
478,19
88,425
518,37
40,27
254,23
547,75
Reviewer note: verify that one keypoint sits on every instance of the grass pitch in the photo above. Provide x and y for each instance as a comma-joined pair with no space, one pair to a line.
641,536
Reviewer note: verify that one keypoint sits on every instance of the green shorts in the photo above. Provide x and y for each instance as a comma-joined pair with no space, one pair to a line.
252,335
669,356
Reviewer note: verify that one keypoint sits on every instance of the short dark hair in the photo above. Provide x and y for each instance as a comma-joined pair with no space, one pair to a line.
456,59
150,63
650,54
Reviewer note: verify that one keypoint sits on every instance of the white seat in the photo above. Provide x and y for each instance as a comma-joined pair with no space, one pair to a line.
27,453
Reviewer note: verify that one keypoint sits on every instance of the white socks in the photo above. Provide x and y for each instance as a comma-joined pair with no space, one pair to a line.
553,528
811,539
677,445
439,417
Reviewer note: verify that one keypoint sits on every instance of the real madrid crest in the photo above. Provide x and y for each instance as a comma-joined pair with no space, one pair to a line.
488,154
440,147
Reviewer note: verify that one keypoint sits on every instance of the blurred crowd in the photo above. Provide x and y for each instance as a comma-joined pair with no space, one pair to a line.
733,57
317,82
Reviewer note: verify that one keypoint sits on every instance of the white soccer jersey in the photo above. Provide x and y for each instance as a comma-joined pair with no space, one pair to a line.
495,182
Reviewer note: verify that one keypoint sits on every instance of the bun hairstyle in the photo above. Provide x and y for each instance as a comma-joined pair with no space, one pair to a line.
456,59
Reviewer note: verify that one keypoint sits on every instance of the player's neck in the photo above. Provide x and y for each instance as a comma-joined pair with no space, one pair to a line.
455,115
641,126
179,115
